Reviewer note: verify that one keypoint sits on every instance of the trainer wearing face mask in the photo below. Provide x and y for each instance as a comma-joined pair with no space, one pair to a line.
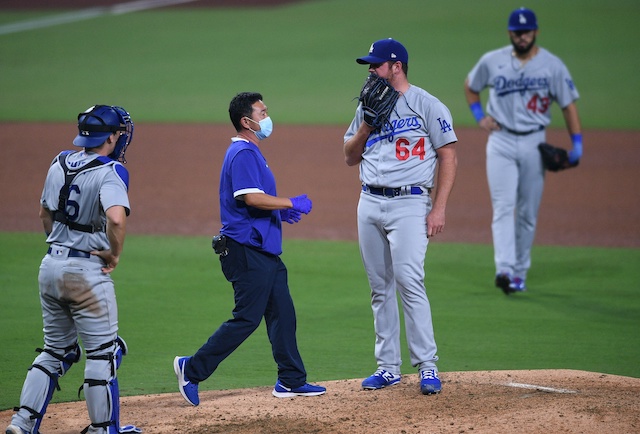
250,245
266,126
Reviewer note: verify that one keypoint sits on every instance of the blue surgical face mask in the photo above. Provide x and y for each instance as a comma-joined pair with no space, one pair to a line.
266,128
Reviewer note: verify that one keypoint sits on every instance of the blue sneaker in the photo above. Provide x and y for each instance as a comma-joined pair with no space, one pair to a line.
517,285
503,281
430,382
282,391
188,389
380,379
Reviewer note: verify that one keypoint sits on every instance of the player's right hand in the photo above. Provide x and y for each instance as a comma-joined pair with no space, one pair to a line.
488,123
111,261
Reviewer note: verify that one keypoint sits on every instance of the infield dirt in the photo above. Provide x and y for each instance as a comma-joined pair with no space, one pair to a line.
592,205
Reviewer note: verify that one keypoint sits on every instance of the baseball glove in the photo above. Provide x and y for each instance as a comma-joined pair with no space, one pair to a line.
554,158
378,99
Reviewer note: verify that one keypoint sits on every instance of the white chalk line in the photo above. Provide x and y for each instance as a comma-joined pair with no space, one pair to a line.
542,388
86,14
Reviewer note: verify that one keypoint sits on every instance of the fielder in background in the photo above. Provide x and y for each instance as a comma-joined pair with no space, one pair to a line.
524,79
396,215
250,245
83,208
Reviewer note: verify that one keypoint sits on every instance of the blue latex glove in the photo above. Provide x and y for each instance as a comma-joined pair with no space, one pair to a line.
301,203
290,216
576,153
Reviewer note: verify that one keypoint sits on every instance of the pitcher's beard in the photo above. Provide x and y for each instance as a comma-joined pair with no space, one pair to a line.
523,50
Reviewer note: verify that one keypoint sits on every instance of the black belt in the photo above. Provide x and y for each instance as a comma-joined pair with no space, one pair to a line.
392,192
73,253
522,133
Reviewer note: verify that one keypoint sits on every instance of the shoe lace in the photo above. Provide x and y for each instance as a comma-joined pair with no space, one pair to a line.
429,374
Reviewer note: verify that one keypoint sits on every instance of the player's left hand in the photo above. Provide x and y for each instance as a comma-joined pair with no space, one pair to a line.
576,151
301,203
435,223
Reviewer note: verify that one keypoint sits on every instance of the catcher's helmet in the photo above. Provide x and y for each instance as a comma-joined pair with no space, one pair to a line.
99,122
522,19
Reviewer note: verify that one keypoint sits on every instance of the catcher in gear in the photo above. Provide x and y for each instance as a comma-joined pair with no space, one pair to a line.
83,208
554,158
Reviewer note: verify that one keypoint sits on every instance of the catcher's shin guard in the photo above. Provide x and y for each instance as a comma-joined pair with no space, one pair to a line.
101,389
41,382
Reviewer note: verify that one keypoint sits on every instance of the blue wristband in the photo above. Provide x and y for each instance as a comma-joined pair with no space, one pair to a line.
576,153
476,110
576,139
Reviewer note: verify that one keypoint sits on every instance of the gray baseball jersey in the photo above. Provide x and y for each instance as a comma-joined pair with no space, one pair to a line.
520,97
403,153
88,198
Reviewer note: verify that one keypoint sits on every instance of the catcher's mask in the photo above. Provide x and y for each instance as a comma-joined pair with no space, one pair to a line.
99,122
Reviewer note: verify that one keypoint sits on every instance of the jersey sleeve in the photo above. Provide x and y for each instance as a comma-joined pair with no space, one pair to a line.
245,173
479,75
440,125
355,124
562,87
113,191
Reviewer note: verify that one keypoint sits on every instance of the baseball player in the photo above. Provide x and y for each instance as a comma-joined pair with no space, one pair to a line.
524,80
396,215
84,206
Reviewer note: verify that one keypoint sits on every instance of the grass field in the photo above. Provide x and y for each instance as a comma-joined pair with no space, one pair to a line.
169,304
184,65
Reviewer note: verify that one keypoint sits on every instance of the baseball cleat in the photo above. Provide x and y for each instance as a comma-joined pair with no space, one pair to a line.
430,382
281,391
503,281
12,429
517,285
188,389
381,378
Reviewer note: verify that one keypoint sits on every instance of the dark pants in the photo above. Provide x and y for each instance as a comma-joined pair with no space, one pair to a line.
260,290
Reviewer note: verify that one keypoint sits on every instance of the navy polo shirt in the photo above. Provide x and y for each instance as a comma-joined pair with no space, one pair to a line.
245,170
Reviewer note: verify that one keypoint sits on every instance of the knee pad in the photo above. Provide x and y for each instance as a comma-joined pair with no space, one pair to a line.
57,360
41,382
101,388
121,351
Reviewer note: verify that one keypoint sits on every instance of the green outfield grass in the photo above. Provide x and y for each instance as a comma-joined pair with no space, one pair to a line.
582,312
184,65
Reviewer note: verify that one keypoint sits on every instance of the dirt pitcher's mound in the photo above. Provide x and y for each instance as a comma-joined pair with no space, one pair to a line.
541,401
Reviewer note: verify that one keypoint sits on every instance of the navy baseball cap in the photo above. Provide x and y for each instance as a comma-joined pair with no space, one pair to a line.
522,19
385,50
